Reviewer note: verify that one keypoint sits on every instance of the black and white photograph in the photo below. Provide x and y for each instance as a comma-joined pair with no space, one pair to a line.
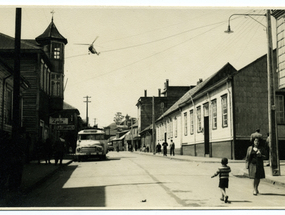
142,108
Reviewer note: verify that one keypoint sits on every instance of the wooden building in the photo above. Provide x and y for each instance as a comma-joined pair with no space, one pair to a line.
216,117
42,65
6,96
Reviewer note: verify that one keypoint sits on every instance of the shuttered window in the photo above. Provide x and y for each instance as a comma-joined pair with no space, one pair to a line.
224,111
280,109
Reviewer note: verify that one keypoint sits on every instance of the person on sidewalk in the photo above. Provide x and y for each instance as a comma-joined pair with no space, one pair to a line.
256,134
223,173
59,151
158,148
254,164
172,148
48,150
267,145
164,145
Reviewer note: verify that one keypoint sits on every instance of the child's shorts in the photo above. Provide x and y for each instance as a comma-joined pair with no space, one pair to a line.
224,183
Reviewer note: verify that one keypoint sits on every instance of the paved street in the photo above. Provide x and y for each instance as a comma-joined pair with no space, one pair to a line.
135,181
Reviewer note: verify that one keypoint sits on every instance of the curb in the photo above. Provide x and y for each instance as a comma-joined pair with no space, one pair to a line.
268,180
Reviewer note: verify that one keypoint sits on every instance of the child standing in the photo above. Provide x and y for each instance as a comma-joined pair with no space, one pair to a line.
223,172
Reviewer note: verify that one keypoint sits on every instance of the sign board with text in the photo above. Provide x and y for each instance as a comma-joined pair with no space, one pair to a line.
58,121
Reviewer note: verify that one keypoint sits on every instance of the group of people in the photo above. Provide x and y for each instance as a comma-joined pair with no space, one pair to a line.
254,163
164,148
47,149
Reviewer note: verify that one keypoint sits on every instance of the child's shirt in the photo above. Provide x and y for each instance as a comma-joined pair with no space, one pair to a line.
223,172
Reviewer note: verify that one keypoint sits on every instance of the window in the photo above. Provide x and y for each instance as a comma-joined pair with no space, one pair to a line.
171,128
175,127
280,29
224,111
9,106
199,122
214,114
56,50
45,78
42,76
48,81
185,123
191,122
280,109
56,85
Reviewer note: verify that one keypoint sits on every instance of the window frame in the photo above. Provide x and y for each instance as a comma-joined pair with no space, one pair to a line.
224,109
199,119
280,115
185,124
191,112
214,114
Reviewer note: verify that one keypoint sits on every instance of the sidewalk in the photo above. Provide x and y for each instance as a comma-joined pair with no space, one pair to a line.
33,175
237,166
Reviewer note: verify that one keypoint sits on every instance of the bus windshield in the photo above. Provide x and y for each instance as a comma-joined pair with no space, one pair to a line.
91,137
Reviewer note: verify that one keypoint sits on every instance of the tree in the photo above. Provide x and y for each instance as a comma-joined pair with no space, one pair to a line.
118,118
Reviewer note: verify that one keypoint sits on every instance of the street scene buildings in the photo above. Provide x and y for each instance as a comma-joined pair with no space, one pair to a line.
213,118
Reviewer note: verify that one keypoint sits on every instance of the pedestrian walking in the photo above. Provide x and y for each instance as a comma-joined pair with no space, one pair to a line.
164,145
268,154
48,150
223,173
59,151
117,148
27,148
38,150
158,148
254,164
172,148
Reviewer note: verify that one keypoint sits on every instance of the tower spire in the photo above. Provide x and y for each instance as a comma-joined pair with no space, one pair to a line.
52,12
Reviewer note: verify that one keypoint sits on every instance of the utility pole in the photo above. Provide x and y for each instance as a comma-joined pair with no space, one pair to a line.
87,97
273,137
272,125
16,84
153,127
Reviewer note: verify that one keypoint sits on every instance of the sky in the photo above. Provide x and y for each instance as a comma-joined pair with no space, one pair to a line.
140,47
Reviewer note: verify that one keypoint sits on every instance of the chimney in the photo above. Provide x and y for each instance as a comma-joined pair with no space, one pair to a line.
200,81
166,84
145,93
159,92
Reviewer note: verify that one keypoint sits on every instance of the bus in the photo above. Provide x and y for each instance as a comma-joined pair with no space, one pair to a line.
91,143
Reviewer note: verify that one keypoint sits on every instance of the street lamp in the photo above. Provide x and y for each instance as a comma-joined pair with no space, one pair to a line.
273,138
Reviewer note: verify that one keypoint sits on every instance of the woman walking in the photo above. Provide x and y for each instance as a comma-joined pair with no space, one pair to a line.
254,164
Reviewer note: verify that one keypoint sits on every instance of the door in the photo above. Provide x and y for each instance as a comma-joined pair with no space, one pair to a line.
206,129
206,135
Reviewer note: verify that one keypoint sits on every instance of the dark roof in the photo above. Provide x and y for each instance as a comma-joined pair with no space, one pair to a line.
223,72
51,33
67,106
277,13
24,83
148,128
7,42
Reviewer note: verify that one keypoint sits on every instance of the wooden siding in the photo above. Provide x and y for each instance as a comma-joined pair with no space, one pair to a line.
189,150
250,95
221,149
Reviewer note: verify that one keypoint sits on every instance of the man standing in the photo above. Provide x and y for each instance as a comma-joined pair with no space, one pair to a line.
164,145
256,134
172,148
